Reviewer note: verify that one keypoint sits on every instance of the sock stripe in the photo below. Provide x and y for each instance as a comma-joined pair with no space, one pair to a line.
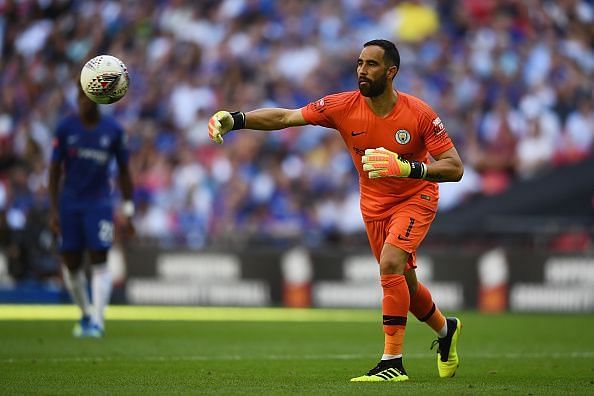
394,320
426,317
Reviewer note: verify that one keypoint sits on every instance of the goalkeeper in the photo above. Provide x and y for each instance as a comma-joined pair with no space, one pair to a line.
390,136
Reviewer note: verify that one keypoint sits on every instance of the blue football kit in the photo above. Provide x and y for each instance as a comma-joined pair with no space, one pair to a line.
87,154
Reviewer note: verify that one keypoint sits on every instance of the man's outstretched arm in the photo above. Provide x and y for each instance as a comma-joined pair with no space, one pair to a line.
268,119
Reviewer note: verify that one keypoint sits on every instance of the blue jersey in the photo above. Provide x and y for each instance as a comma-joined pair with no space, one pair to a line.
87,155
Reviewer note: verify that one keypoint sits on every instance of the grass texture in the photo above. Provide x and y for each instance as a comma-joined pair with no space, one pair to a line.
253,351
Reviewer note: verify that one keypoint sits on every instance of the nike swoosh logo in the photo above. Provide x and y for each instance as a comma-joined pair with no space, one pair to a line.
402,239
355,133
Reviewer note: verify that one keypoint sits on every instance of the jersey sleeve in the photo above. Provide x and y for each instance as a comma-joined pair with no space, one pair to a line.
326,111
435,134
59,144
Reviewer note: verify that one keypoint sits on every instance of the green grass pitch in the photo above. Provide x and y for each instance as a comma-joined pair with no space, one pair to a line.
224,351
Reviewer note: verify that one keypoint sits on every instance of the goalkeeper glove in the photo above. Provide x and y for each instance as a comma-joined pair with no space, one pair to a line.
222,122
380,162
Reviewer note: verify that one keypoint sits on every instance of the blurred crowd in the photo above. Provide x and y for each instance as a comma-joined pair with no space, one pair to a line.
512,80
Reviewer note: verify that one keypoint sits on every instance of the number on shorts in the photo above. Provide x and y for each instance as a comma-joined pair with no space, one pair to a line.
410,226
105,231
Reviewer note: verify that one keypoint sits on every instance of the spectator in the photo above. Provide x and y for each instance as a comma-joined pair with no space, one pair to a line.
578,136
508,78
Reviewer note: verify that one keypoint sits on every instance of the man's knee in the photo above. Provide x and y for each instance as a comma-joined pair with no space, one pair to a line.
388,266
393,260
72,260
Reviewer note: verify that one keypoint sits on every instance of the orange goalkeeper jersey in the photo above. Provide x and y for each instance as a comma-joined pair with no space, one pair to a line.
412,129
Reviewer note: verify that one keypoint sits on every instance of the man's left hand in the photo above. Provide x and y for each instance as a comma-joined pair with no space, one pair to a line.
380,162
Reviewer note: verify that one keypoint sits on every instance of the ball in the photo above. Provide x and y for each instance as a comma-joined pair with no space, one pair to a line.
104,79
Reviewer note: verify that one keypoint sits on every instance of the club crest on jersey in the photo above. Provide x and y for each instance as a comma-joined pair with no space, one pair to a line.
104,141
402,136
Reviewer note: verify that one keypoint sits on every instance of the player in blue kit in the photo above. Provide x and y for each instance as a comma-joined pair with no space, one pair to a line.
81,208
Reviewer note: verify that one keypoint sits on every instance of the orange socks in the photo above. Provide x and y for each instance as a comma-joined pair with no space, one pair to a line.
395,306
423,307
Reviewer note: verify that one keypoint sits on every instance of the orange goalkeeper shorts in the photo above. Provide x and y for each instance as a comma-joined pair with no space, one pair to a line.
405,228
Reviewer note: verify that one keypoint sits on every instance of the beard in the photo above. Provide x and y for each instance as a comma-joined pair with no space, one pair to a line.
372,88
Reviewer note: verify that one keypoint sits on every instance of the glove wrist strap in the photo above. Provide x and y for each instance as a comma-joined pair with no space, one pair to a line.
238,120
418,170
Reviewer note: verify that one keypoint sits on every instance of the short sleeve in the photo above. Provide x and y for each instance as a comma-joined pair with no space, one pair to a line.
326,111
58,144
435,134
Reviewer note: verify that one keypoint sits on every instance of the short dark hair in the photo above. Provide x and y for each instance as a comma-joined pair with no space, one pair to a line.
391,53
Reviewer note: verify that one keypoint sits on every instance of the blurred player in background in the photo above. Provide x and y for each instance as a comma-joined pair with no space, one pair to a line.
390,136
81,210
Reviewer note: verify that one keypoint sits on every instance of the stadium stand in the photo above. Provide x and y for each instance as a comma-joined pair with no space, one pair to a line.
513,81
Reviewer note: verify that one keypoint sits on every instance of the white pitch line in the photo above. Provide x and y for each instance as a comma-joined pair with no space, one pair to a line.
99,359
